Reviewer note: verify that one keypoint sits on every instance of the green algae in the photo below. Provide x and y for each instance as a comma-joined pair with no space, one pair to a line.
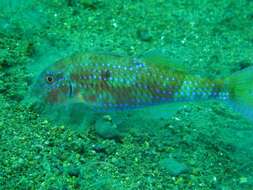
213,37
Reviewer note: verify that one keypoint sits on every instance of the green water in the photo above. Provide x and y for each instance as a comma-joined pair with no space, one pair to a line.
193,146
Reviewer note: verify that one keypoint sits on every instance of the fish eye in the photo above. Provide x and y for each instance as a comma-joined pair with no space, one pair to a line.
49,79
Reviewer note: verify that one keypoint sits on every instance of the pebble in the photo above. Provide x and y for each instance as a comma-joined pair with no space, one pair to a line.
173,167
2,87
243,180
89,3
144,35
44,122
99,148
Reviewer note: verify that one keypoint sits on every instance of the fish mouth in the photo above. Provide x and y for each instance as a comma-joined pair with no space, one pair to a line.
36,91
33,101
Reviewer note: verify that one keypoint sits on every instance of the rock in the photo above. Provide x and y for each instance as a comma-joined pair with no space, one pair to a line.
144,35
2,86
99,148
107,129
243,180
89,3
19,165
73,171
173,167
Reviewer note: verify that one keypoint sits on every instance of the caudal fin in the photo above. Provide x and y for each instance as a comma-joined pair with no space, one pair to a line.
240,85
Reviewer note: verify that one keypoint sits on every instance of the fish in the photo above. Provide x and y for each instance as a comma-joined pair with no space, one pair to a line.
108,82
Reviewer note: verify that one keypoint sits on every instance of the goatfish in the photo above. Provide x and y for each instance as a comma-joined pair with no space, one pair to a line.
107,82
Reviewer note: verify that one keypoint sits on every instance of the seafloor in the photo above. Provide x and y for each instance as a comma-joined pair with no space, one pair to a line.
202,145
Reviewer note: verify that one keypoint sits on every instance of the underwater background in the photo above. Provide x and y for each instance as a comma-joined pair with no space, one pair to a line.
196,145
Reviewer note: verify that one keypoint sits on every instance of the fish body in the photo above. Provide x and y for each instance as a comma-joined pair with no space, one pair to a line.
111,82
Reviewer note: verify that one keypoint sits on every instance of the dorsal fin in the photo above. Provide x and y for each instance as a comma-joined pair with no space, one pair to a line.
160,60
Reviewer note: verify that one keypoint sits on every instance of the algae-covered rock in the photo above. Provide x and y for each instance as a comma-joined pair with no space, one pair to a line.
107,183
144,35
107,129
73,171
173,167
89,3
